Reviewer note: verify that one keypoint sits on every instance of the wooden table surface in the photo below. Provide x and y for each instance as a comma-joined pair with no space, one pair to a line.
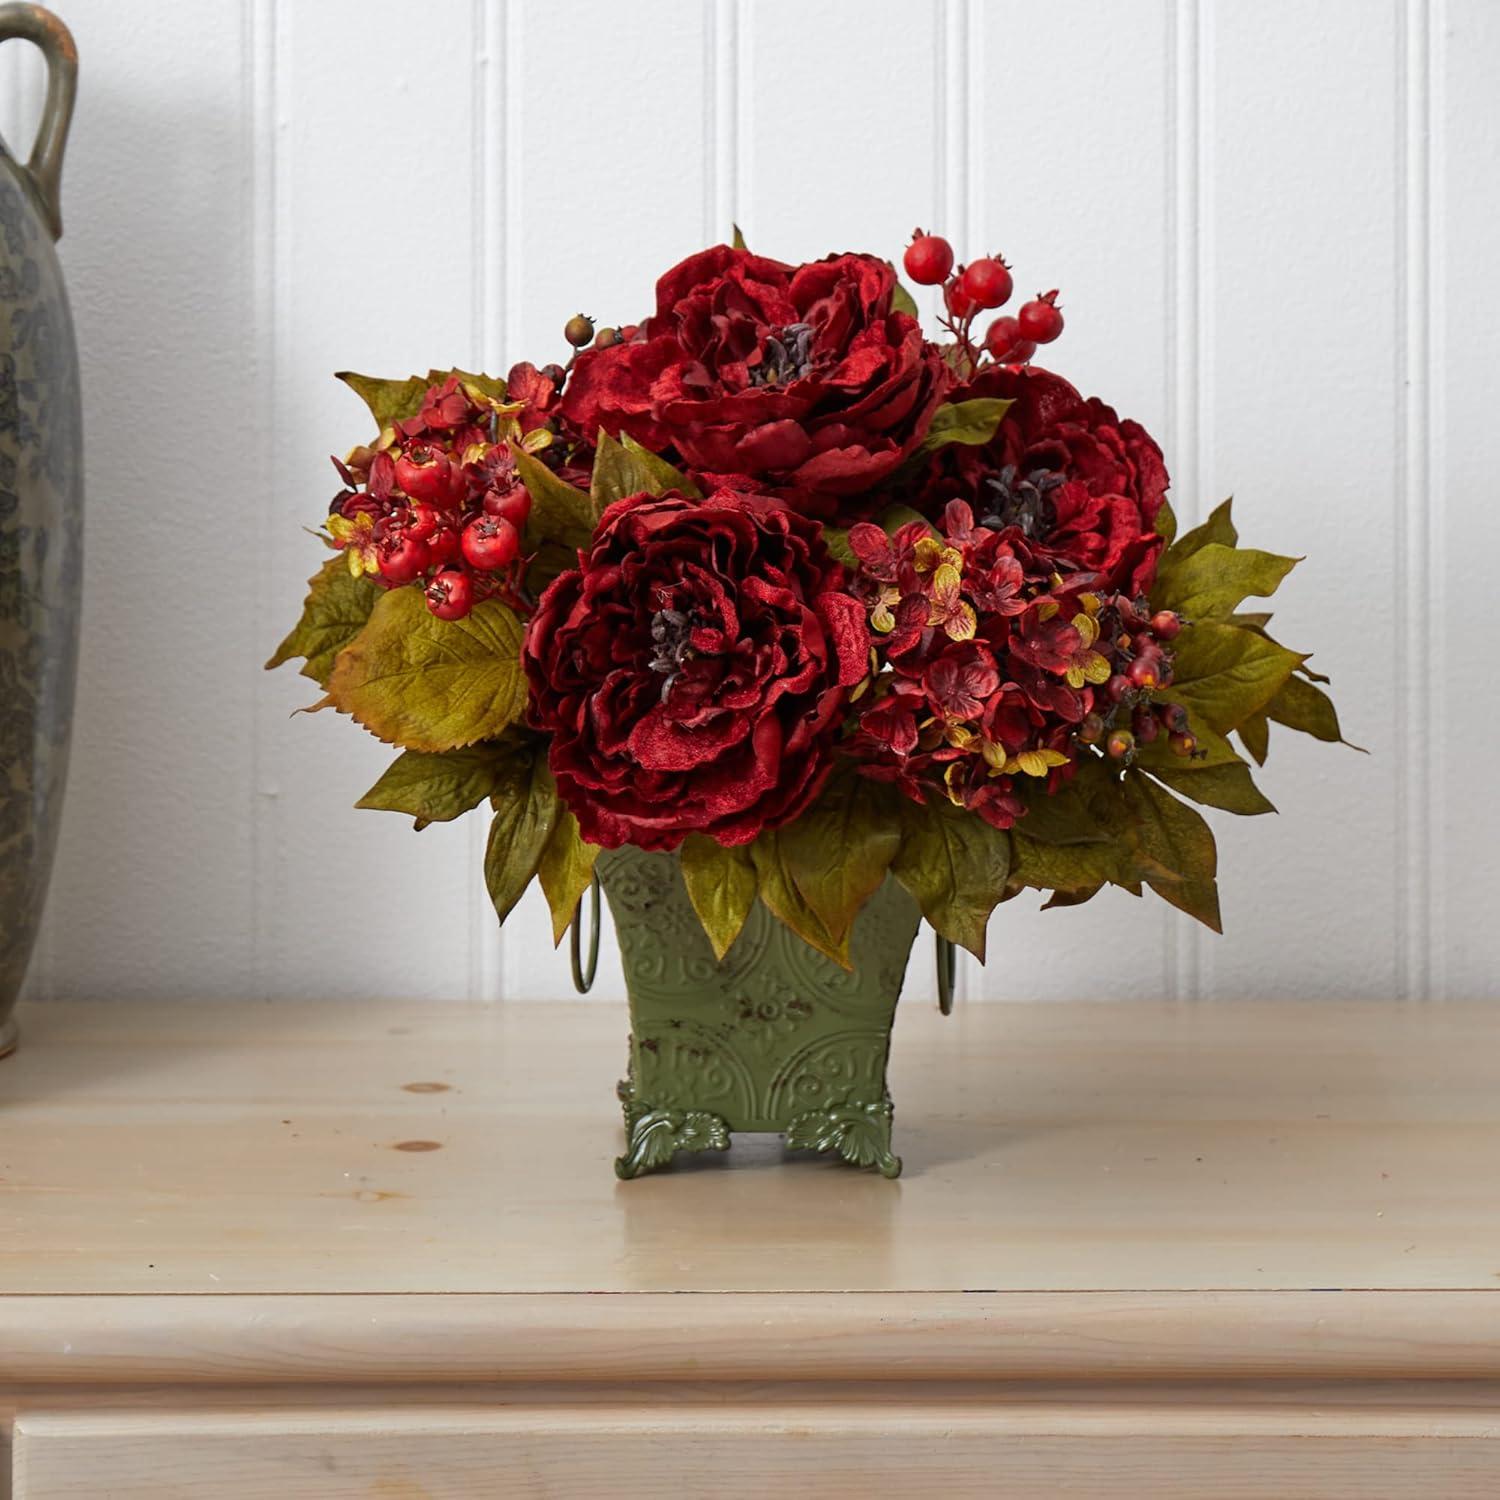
299,1196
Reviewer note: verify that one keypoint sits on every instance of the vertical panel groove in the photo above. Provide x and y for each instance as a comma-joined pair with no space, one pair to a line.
1413,471
721,47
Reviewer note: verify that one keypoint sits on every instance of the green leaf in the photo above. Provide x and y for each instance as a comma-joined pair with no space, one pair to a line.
1300,705
738,242
721,884
955,866
626,468
565,870
657,472
1215,578
526,809
902,300
1228,786
1255,735
1217,528
967,422
836,539
784,901
559,512
435,787
1068,869
334,612
489,385
428,684
1223,675
839,850
894,517
1175,837
1166,522
389,400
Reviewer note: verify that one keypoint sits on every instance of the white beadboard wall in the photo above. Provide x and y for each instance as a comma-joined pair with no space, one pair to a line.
1276,232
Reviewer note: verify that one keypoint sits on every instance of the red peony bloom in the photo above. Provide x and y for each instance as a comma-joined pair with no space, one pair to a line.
1077,487
802,378
692,671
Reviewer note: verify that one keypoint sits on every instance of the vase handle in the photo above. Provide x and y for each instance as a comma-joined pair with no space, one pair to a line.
44,170
947,971
583,979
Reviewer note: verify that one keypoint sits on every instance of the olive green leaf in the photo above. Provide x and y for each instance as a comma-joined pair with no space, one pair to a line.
1069,869
526,810
1215,578
721,884
1166,522
782,898
1223,675
1255,735
902,300
390,401
1227,786
894,517
1217,528
1300,705
966,422
626,468
437,786
428,684
839,850
836,539
488,385
1175,838
955,866
738,242
559,512
334,612
565,870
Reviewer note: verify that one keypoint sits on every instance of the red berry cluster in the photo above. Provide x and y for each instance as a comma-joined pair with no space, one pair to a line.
1000,667
982,285
437,502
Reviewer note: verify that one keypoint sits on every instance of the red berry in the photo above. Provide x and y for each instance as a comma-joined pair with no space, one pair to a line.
605,338
1145,725
1165,625
443,546
1183,744
1091,731
928,259
578,330
1040,320
1120,745
1117,687
958,302
1175,717
987,282
423,521
490,542
1144,671
402,557
513,505
1007,347
555,373
450,596
425,475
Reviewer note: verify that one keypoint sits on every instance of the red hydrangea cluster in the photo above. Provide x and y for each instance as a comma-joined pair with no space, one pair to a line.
437,501
1001,665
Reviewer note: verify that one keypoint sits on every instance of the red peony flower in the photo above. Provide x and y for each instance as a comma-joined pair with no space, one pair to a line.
692,671
802,378
1072,483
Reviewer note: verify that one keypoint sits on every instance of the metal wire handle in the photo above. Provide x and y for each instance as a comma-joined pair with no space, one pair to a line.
947,971
582,982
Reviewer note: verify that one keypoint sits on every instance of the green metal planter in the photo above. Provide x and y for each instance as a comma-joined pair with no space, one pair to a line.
775,1038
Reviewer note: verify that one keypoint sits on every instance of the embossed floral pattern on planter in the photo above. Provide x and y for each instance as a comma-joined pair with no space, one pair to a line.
777,1037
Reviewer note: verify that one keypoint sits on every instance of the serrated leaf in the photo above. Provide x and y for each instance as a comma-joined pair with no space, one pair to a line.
784,901
738,242
1300,705
428,684
839,850
1255,736
955,866
559,512
721,883
1175,837
565,870
333,613
967,422
390,401
489,385
1218,528
526,810
1223,675
1068,868
621,470
1227,786
659,475
435,787
1215,579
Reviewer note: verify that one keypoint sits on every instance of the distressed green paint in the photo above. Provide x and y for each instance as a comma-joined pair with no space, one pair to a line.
775,1038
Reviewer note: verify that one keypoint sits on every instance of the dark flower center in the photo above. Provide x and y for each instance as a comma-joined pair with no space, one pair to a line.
1011,500
786,355
671,631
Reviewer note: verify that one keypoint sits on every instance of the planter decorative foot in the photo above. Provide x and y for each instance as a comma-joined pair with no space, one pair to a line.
773,1038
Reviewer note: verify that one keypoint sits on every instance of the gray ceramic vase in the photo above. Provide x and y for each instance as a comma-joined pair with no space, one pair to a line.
41,510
